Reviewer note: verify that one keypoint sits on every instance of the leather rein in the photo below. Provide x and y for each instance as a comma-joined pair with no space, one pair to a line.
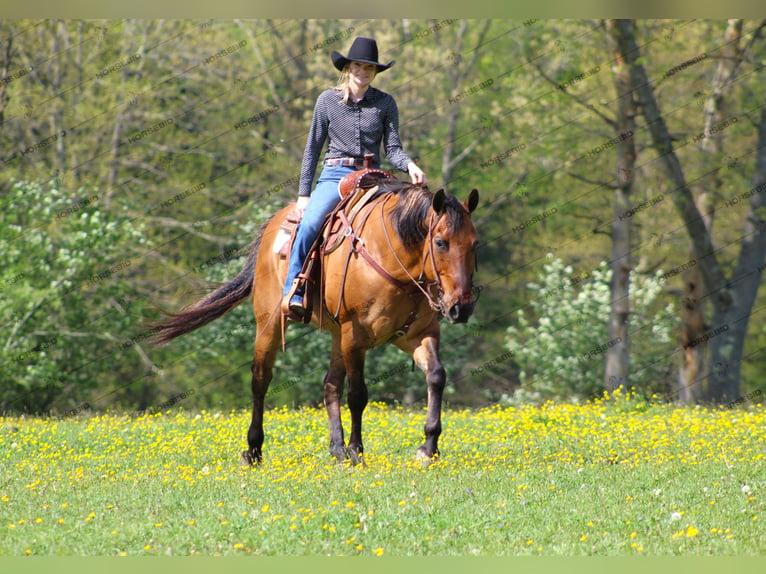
413,285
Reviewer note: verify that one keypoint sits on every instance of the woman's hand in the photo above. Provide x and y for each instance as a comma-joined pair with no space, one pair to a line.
416,174
300,205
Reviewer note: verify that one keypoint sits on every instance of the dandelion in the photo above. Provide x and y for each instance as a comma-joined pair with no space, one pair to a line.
379,551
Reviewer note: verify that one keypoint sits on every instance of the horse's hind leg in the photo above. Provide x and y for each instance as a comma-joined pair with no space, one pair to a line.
357,399
266,348
333,392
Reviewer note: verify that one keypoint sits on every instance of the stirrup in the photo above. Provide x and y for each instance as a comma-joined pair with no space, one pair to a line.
292,310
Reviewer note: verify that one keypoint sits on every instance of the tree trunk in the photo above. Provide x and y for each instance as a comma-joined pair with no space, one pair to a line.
618,351
691,373
691,379
729,327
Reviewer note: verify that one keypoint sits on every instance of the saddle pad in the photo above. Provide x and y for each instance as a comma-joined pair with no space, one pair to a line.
285,234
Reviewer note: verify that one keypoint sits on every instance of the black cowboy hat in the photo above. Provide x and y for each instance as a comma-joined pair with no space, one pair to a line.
362,50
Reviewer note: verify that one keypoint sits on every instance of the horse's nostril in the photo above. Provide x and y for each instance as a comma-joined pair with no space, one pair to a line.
454,311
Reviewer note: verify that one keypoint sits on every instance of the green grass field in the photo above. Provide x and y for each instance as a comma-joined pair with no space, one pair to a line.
624,478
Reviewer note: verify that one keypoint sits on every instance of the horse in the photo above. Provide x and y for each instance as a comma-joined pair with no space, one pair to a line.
409,264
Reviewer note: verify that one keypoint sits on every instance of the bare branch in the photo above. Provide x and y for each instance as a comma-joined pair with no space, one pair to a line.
609,121
600,183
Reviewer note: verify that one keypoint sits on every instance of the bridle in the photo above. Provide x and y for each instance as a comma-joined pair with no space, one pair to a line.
436,303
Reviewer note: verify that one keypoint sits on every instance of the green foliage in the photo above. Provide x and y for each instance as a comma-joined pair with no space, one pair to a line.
195,130
560,342
65,302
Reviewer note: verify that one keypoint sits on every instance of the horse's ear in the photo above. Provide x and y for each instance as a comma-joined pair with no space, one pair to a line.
472,201
439,200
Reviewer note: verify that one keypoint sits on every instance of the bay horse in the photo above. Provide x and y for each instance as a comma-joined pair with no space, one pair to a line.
410,264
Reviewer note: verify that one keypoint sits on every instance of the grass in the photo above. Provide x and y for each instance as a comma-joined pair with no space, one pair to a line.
619,478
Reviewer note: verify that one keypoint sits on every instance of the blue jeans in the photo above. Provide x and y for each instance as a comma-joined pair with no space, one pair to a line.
323,199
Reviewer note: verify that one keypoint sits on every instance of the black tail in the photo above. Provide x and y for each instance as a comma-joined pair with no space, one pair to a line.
210,307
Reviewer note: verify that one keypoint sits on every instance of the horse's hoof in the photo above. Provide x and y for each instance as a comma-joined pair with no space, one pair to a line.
423,459
250,459
339,454
357,458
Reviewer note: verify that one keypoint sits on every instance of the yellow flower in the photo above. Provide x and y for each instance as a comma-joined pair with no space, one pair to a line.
691,532
379,551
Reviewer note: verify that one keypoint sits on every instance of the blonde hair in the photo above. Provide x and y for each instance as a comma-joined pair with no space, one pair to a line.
343,81
342,85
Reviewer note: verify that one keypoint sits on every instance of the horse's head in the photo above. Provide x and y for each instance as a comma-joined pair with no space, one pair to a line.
450,254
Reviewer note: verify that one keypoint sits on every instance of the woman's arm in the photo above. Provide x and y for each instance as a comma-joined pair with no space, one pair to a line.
314,142
393,145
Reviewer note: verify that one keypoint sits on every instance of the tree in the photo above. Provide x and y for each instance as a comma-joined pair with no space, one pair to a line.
65,306
732,298
559,345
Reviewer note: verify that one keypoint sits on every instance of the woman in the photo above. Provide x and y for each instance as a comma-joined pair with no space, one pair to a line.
355,119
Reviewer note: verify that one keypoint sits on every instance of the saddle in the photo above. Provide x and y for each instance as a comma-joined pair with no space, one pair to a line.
356,190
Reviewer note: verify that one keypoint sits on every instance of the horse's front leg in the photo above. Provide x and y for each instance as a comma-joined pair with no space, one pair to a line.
425,351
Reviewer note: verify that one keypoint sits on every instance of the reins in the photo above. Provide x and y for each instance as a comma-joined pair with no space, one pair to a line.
434,304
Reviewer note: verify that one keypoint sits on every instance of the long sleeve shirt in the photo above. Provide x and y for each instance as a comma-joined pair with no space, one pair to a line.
352,130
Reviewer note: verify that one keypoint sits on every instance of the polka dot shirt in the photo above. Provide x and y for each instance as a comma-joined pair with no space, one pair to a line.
352,130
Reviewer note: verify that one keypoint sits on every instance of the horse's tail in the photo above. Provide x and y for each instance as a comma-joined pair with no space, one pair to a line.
210,307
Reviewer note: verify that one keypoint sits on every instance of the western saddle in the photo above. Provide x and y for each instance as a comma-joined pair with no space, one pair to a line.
356,190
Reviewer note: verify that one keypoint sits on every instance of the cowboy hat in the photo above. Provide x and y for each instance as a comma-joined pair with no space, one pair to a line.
363,50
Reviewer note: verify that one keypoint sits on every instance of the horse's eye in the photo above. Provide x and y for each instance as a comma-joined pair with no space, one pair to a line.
441,244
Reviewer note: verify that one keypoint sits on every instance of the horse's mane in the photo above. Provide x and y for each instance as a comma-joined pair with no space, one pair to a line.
410,214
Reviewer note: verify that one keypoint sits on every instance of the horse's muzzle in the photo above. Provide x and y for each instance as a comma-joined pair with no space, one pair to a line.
461,310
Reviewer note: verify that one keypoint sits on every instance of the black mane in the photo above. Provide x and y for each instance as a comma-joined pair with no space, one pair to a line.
410,215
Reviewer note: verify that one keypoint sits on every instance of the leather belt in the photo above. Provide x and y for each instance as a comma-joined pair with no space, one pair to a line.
345,161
